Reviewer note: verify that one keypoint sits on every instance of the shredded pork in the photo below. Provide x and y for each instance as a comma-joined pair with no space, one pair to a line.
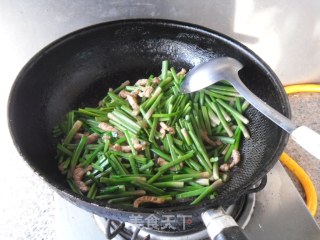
106,127
138,146
235,159
146,199
205,137
132,99
92,138
77,176
162,162
78,136
165,128
143,92
141,82
156,80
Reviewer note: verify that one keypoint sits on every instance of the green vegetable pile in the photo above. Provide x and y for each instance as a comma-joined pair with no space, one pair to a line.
149,143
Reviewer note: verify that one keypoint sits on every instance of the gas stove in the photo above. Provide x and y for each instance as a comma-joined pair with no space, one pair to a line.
241,211
276,212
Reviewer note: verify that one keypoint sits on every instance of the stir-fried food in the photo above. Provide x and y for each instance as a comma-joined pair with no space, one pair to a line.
148,143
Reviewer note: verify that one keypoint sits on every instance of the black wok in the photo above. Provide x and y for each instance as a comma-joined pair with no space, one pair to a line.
78,69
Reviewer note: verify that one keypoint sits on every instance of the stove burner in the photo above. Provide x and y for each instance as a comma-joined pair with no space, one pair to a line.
241,211
110,225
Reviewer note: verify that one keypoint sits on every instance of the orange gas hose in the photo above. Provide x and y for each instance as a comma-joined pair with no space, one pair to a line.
298,88
293,166
307,184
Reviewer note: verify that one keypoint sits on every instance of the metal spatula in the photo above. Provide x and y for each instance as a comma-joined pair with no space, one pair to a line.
226,68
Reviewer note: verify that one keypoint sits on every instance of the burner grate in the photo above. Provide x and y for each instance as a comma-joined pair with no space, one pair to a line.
117,226
120,229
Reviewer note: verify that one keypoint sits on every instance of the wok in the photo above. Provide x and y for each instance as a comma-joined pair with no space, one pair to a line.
78,69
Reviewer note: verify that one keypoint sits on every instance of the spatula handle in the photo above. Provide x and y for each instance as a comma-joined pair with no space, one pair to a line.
308,139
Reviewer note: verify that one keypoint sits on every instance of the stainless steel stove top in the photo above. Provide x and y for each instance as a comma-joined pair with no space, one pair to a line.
279,213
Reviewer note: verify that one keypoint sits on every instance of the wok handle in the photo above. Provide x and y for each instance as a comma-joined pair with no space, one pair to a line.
308,139
221,226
